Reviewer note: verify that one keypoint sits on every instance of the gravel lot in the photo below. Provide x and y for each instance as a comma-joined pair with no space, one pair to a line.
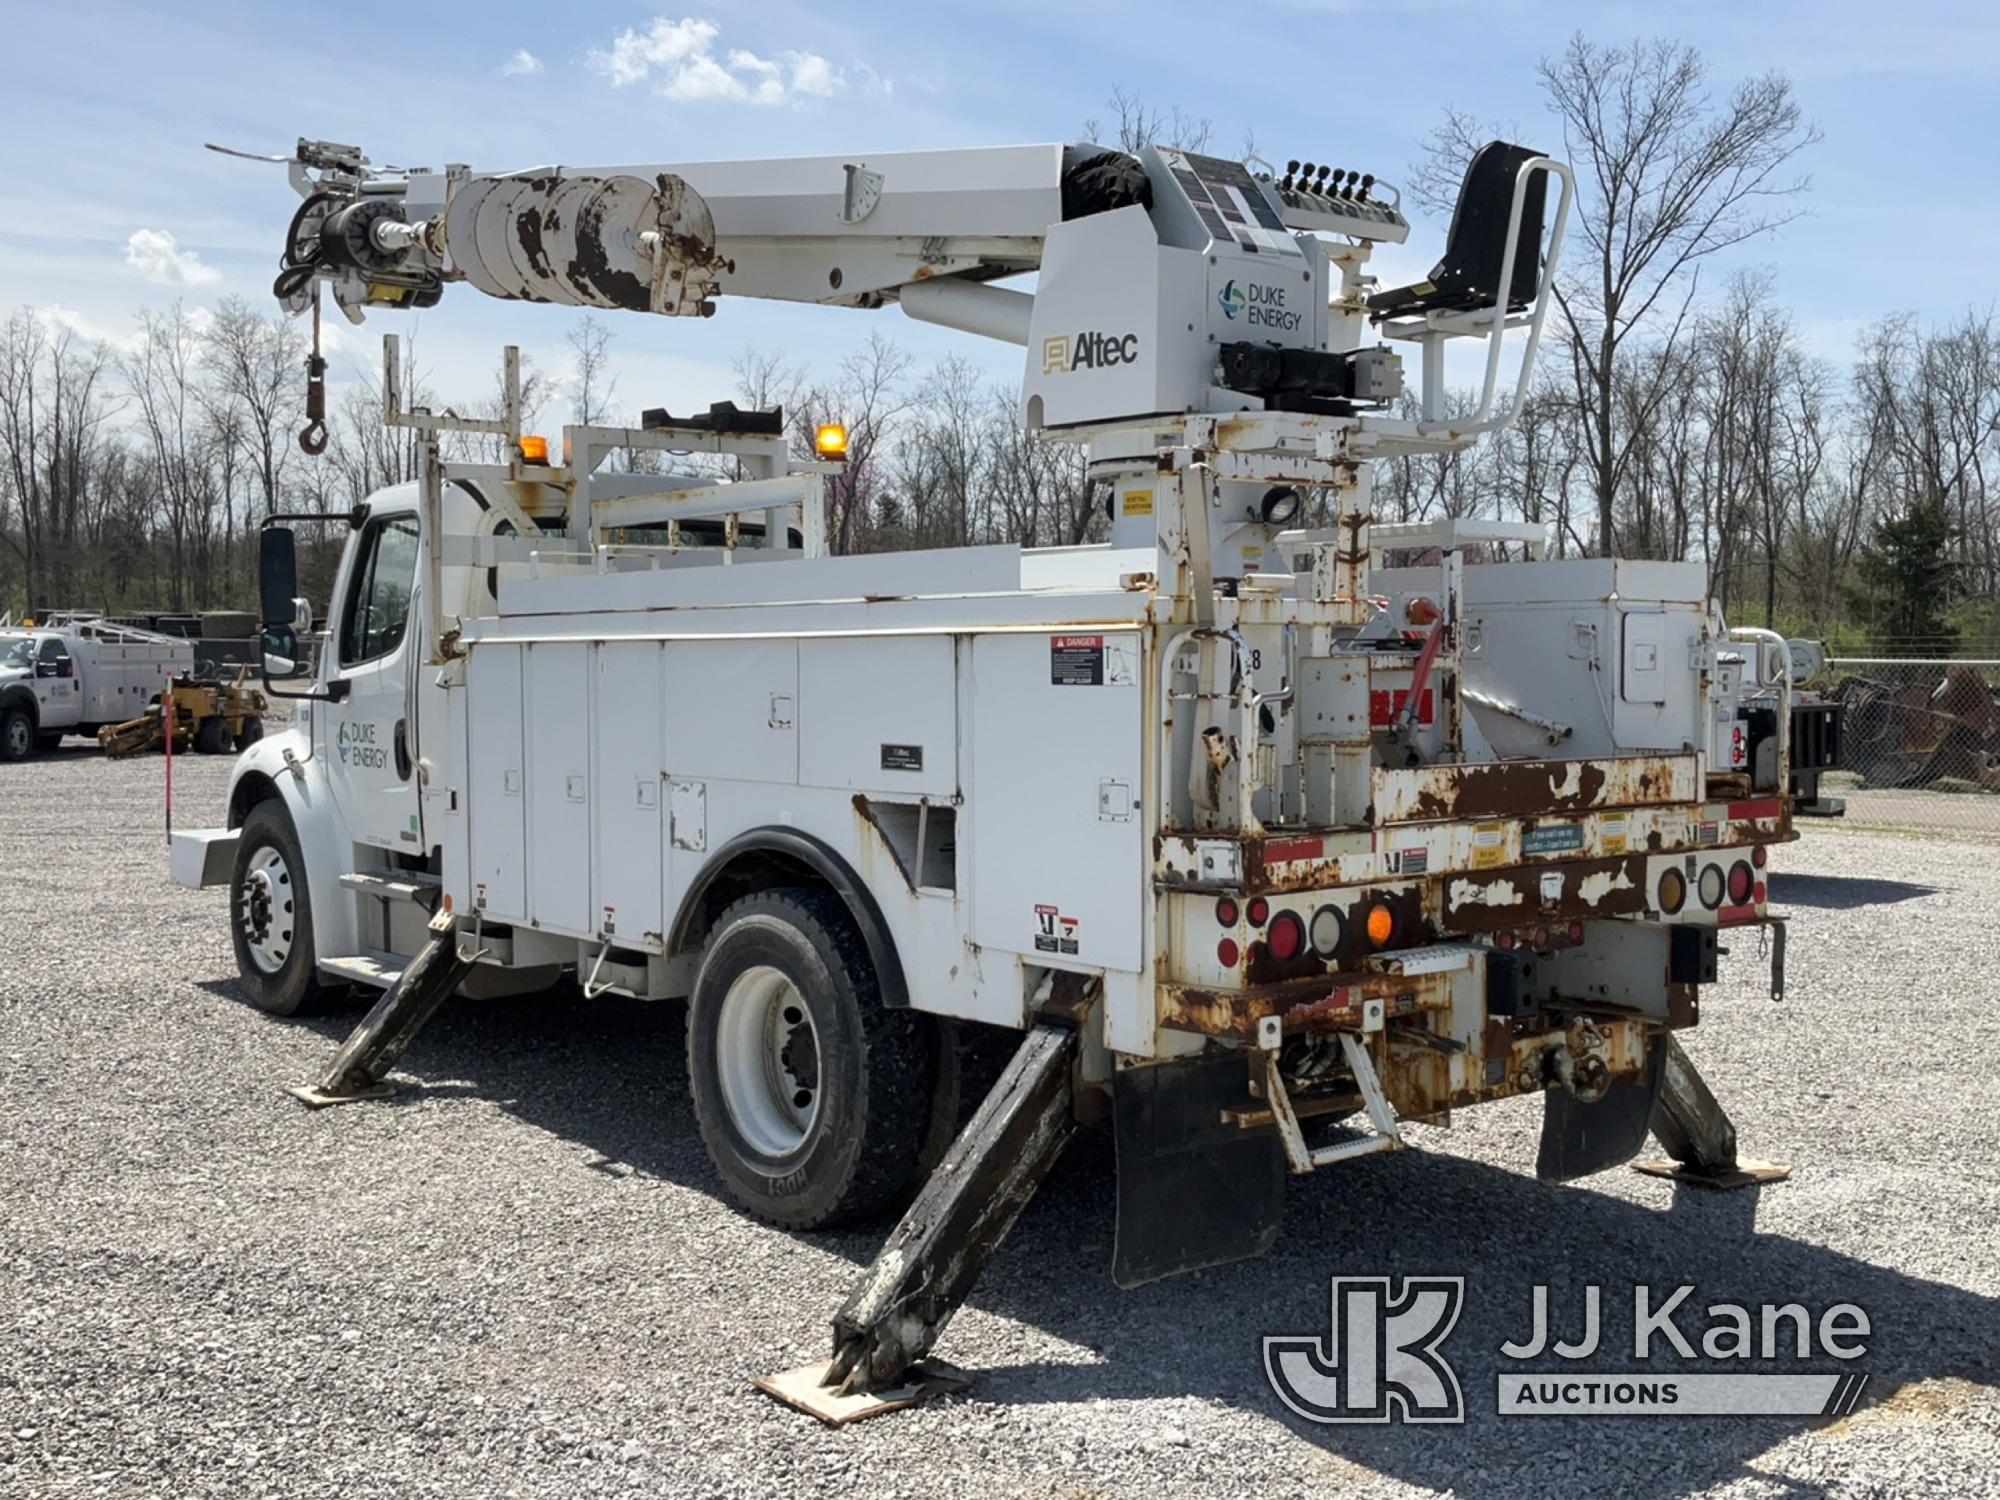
519,1277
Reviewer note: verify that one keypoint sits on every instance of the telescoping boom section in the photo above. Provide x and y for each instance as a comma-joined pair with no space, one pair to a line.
1262,814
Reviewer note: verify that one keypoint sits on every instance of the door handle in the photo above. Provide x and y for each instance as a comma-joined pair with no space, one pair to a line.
402,738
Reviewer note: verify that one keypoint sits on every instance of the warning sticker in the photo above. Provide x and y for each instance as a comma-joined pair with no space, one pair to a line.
1136,502
1489,842
1614,831
1054,932
1076,660
1552,838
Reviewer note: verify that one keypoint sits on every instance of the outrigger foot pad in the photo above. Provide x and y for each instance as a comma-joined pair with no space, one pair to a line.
312,1096
375,1046
925,1270
807,1389
1698,1133
1740,1174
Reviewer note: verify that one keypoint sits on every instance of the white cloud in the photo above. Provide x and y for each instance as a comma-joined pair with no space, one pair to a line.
523,64
154,254
54,315
678,58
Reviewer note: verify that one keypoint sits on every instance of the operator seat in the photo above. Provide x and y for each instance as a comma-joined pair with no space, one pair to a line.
1468,278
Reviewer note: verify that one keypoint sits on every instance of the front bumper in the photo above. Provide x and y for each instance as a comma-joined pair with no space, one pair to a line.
202,857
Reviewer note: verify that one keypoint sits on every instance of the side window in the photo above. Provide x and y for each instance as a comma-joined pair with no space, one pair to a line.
54,653
378,595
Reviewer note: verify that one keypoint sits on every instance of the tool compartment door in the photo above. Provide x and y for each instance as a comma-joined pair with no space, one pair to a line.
557,678
628,794
1057,856
496,800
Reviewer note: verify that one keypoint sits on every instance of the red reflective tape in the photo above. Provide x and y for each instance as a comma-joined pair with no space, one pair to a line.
1735,916
1762,807
1278,851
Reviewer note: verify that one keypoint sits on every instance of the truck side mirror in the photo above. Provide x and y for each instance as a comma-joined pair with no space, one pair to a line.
282,655
277,576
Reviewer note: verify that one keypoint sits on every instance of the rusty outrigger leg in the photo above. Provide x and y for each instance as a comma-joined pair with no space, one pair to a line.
384,1034
1698,1133
926,1269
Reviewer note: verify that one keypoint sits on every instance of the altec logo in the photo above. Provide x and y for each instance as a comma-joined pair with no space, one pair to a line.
1380,1360
1088,351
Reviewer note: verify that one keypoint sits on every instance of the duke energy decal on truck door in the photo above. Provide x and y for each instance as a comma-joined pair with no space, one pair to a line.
1088,661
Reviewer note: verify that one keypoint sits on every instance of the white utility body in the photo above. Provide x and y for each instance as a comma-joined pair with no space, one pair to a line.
76,673
1239,828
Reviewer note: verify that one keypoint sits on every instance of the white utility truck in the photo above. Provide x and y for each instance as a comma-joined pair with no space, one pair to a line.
75,673
1243,832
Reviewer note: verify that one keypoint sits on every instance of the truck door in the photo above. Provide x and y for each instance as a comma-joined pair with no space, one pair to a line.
367,733
57,686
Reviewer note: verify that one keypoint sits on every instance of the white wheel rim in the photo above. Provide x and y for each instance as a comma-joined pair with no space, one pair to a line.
267,909
18,735
767,1060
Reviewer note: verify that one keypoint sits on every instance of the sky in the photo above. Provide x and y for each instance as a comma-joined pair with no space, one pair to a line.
112,204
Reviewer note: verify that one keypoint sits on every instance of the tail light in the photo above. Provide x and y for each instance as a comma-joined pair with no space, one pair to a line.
1287,937
1741,882
1673,891
1225,911
1381,925
1736,756
1541,937
1260,911
1506,940
1328,931
1760,856
1576,932
1709,886
1226,953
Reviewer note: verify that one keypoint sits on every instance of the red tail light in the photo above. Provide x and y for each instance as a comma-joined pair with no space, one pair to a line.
1287,937
1760,856
1260,911
1226,953
1225,911
1741,881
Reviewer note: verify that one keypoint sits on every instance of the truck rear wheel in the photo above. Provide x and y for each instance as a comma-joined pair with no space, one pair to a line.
813,1098
17,734
270,916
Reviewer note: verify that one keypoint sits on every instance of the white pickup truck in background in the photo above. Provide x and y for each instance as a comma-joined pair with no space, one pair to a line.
75,677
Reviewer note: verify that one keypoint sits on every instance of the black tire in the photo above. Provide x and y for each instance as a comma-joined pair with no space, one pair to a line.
290,987
211,736
251,732
17,734
873,1069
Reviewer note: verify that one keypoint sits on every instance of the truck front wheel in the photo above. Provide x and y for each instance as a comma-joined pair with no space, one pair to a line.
270,915
813,1098
17,734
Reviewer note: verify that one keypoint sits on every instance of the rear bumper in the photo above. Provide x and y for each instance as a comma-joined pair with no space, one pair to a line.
202,857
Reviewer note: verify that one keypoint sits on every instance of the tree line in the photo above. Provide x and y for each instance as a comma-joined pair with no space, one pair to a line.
1677,412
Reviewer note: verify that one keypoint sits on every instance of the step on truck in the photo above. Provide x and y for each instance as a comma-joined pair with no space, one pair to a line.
1265,814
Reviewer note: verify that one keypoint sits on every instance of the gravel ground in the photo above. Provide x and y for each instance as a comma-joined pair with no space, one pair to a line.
520,1278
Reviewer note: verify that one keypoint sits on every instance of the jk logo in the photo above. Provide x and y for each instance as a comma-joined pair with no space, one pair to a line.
1379,1361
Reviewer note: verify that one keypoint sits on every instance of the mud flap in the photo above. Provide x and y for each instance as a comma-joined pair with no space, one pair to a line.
1193,1191
1579,1139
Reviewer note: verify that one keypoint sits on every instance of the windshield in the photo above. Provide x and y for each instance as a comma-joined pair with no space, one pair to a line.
19,652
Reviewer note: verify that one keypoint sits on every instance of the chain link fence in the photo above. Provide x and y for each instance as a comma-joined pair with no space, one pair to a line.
1920,746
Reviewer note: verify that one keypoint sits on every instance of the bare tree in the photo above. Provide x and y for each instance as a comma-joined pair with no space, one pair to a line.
1135,124
1668,176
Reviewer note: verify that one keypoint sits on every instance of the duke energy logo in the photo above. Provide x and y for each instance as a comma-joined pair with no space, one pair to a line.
358,745
1231,298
